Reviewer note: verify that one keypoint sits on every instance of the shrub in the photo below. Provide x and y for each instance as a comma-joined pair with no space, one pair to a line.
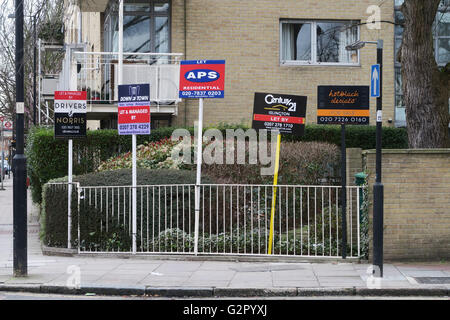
172,240
153,155
47,156
309,163
356,136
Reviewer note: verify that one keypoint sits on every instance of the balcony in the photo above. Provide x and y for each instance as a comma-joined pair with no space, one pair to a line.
98,72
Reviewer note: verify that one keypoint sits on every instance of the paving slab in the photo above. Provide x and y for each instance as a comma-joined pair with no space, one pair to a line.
391,284
424,273
165,280
173,282
132,266
32,279
268,267
335,273
333,266
206,283
213,275
218,266
63,278
176,266
295,283
339,279
289,275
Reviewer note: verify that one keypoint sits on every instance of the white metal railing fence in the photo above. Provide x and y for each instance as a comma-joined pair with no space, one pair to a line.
233,220
97,74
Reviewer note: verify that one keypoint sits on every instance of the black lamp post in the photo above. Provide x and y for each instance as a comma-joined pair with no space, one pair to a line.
20,262
378,189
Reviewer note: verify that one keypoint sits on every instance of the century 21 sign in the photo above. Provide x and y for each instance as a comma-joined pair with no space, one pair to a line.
279,112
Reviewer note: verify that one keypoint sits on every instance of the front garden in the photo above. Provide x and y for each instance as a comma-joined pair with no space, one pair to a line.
104,159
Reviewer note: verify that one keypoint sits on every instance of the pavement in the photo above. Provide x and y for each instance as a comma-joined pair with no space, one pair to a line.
205,277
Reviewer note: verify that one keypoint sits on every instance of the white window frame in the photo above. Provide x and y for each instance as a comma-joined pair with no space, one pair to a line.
313,61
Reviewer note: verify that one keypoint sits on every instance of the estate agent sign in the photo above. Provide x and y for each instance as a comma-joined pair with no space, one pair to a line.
70,114
134,109
285,113
343,105
202,79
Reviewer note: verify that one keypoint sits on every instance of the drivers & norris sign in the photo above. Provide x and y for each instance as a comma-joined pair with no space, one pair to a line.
70,114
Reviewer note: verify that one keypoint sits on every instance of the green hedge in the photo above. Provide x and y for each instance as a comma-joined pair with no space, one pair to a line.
47,156
356,136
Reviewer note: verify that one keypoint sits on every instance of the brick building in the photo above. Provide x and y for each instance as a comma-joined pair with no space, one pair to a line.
281,46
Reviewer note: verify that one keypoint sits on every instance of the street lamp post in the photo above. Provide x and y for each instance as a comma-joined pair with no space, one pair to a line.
378,189
34,71
20,261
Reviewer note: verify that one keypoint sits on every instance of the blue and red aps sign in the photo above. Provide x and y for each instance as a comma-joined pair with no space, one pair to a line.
202,79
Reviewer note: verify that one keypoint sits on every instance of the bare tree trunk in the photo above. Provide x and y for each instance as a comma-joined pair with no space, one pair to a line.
425,87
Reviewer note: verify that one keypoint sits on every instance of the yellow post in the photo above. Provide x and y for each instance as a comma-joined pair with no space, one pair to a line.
274,193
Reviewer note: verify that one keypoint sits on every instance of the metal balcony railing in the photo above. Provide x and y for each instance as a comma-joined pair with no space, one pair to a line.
97,73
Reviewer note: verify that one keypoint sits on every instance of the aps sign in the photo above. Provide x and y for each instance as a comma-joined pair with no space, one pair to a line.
202,79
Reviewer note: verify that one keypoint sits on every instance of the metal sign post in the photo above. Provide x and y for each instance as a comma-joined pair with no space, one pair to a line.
274,193
344,192
344,105
134,192
70,122
284,114
201,79
133,119
199,172
69,194
378,188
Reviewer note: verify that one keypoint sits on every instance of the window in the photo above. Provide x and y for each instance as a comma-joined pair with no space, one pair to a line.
318,42
442,38
146,26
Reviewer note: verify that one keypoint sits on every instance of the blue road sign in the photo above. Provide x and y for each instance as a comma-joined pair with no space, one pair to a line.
375,81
